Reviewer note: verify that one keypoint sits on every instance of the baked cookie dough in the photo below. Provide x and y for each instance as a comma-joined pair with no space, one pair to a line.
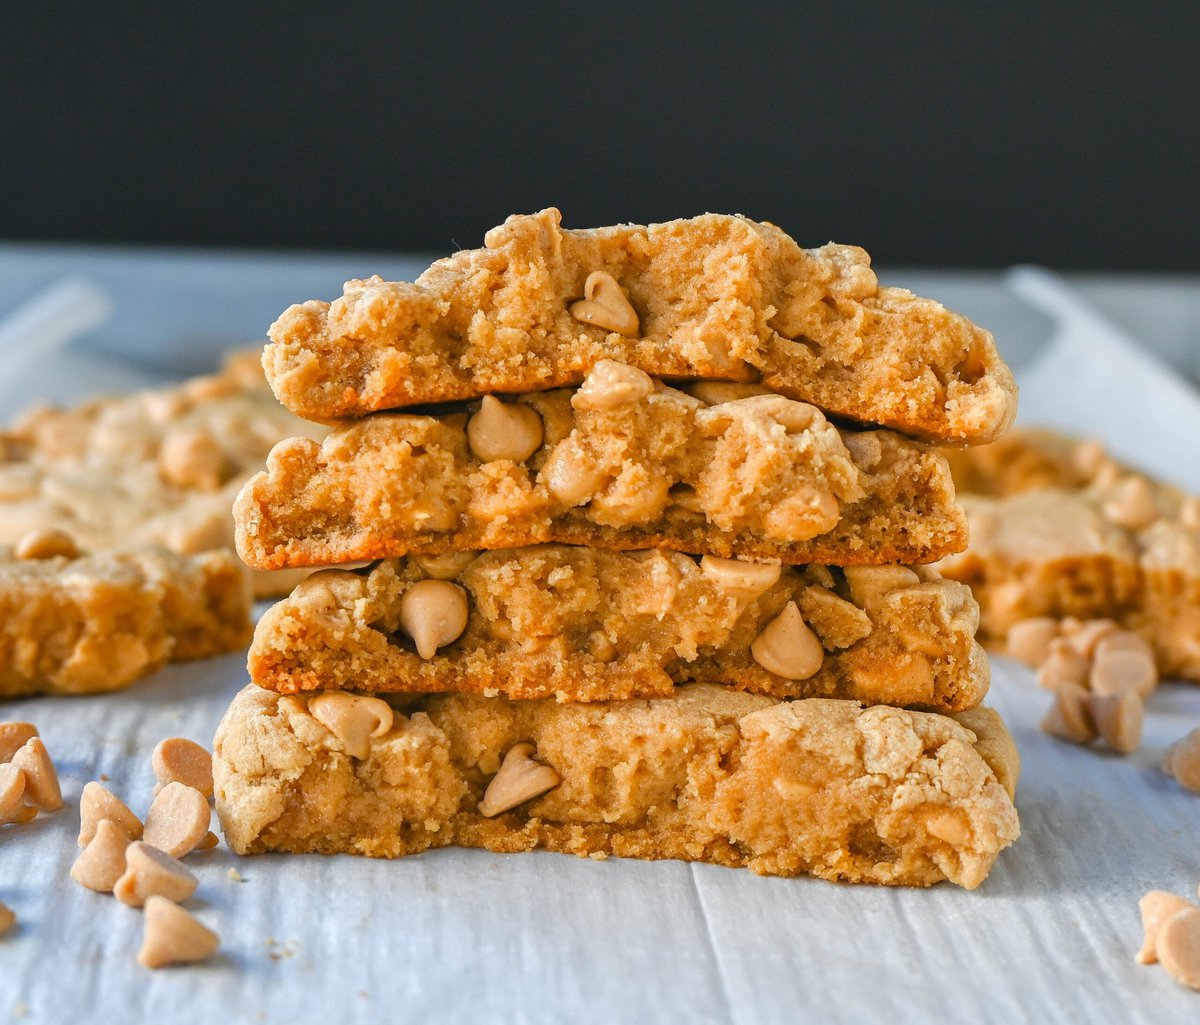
159,467
714,297
80,624
621,462
582,624
1102,543
817,786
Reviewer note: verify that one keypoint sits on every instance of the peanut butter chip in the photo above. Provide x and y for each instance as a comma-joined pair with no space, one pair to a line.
102,861
1085,636
7,918
446,566
605,305
177,820
46,544
1029,640
1189,512
173,936
97,803
192,459
1088,457
184,761
744,581
520,779
1070,717
1063,665
353,718
1182,760
610,384
714,393
570,476
1119,718
1131,504
503,430
1156,907
433,613
41,779
787,647
12,790
1178,946
150,872
1118,669
870,584
13,736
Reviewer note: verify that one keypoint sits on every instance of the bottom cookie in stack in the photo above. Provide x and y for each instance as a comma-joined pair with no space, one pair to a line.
821,786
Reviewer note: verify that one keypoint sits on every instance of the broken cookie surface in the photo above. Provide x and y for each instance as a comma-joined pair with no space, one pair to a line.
714,297
585,625
815,786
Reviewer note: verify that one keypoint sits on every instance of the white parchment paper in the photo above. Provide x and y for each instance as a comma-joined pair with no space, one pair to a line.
466,936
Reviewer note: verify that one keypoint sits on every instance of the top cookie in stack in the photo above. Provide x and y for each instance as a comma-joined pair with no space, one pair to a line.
711,298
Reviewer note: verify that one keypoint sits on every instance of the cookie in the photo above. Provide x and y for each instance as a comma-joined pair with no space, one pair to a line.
714,297
72,623
582,624
817,786
159,467
621,462
1117,547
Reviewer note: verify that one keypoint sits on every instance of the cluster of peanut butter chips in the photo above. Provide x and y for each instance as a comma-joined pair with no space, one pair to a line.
628,537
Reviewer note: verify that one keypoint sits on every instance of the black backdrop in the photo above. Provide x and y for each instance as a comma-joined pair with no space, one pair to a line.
963,133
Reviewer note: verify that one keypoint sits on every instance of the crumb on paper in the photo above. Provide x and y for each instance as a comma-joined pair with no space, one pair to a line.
281,951
236,876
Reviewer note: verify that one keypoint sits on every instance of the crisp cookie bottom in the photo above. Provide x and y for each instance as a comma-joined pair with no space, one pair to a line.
818,786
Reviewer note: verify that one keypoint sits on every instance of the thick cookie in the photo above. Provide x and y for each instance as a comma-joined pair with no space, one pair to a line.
714,297
76,624
159,467
817,786
582,624
1103,543
621,462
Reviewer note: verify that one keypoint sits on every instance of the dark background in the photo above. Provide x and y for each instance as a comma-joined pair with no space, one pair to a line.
937,134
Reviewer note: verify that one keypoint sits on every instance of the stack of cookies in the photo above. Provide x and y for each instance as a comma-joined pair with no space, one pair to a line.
646,573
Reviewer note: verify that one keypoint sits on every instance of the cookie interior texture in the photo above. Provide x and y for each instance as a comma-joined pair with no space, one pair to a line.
716,297
816,786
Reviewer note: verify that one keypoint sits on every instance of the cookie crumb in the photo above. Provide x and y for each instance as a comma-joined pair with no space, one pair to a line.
235,876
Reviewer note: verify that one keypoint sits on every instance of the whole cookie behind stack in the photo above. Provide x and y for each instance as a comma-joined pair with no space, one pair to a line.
618,613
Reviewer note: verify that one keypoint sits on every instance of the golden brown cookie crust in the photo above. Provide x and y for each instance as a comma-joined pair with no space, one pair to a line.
818,786
756,476
581,624
158,467
716,297
89,623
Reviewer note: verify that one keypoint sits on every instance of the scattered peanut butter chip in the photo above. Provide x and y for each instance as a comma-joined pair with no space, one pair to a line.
46,544
605,305
173,936
209,842
1084,636
1070,717
12,790
177,820
20,815
41,779
1119,718
1029,640
8,918
1178,946
191,458
96,803
433,613
1182,760
1116,669
177,760
14,736
610,384
787,647
151,872
1156,907
504,430
353,718
520,779
102,861
1063,665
